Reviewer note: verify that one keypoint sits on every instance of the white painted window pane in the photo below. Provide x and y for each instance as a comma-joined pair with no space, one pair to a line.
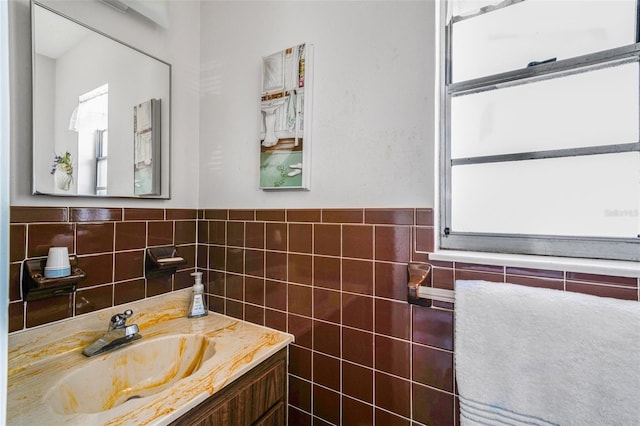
587,109
592,196
101,169
534,30
468,7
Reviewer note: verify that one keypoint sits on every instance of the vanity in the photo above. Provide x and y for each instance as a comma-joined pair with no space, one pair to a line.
183,371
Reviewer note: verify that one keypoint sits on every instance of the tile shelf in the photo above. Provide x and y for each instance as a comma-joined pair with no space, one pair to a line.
162,260
36,286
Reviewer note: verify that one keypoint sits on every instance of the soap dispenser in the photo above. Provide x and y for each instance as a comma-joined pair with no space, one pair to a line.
198,306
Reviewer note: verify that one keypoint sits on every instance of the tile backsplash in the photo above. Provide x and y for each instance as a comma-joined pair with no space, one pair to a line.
335,278
110,245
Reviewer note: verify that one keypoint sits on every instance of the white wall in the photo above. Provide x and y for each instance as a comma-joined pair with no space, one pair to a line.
46,108
373,109
178,45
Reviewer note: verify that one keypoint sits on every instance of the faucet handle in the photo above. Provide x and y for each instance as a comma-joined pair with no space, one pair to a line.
131,330
119,320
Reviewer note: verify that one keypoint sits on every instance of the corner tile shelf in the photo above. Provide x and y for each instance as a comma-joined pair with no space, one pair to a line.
162,260
36,286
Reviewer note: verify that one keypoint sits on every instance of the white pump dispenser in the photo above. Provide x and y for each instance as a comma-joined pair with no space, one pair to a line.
198,306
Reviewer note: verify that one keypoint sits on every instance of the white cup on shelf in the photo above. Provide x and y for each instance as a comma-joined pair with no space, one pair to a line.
57,263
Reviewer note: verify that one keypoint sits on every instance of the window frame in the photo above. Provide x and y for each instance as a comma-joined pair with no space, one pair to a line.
546,245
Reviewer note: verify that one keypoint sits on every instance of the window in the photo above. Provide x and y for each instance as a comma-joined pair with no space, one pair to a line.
541,128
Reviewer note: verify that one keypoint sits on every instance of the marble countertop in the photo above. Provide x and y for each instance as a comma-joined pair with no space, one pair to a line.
41,358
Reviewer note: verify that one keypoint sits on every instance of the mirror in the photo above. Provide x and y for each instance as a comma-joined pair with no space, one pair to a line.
101,113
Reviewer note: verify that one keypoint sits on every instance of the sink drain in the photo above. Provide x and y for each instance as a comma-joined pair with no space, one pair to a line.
133,397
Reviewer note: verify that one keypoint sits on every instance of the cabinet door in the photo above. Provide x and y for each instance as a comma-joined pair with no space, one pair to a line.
227,412
264,392
258,397
274,417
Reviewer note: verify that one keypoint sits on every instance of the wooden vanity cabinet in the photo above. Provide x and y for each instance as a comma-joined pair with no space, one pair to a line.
259,397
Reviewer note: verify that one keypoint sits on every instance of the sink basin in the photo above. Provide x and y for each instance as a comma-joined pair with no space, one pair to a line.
141,369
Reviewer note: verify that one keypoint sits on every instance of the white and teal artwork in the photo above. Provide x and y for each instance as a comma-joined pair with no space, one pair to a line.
285,108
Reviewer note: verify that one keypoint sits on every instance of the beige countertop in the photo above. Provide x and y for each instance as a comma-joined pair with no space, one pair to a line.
42,359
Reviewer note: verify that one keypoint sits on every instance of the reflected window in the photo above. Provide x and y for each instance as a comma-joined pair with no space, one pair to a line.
90,119
102,152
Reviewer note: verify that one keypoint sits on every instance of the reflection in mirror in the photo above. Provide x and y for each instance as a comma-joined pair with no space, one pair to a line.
101,113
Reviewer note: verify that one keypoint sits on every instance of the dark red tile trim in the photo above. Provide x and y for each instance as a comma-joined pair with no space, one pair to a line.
389,216
242,214
602,279
304,215
481,268
542,273
424,217
216,214
90,214
143,214
177,214
270,215
38,214
343,215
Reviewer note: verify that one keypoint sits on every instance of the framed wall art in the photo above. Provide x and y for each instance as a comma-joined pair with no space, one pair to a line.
285,108
146,152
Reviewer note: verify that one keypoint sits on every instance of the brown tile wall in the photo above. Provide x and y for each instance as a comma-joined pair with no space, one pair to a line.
334,278
110,244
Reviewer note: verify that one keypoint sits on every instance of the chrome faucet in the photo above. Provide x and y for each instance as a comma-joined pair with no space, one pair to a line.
118,334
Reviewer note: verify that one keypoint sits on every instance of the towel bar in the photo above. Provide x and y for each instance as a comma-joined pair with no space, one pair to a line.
439,294
419,288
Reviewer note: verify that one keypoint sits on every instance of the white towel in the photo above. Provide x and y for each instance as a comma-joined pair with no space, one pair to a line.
531,356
